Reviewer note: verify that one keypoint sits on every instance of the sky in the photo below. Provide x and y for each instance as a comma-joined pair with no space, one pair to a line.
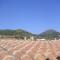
34,16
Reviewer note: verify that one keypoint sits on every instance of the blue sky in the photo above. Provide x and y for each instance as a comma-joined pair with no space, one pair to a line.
34,16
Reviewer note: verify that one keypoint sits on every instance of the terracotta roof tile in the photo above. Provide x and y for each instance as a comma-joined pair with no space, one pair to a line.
29,50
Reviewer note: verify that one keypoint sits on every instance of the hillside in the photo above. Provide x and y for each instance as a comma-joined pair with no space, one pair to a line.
19,33
50,34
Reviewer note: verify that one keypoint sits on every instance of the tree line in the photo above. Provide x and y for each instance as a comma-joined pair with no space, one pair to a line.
19,33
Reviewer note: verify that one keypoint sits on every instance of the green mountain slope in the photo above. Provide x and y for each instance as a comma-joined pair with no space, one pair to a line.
50,34
19,33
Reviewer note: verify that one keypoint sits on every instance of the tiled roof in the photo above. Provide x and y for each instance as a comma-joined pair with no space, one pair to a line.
29,50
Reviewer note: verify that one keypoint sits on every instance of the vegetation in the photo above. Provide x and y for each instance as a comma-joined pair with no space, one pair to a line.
50,34
15,33
19,33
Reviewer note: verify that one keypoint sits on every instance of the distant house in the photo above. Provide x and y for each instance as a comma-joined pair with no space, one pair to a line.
32,38
41,39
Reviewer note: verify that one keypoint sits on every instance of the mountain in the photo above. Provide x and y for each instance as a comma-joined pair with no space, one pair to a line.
50,34
18,33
